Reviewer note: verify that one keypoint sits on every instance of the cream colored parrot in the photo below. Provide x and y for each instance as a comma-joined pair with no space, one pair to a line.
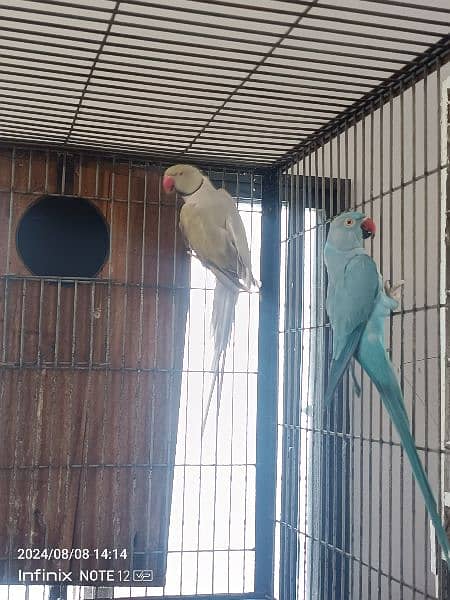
214,231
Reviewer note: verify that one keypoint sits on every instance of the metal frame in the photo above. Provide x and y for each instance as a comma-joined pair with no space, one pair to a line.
286,121
266,451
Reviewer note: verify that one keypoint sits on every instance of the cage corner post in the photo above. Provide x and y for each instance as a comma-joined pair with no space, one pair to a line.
266,444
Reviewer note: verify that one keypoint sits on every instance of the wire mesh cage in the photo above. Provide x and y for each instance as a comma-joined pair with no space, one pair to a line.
360,530
300,109
92,363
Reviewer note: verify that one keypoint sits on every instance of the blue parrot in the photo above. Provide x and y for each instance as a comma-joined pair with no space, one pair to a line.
357,306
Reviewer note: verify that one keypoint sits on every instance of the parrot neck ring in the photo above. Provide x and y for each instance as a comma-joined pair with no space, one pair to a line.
195,191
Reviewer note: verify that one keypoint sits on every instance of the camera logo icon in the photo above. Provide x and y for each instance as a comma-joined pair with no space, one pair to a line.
143,575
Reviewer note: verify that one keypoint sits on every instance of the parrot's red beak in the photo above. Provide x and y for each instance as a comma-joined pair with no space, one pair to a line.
368,228
168,183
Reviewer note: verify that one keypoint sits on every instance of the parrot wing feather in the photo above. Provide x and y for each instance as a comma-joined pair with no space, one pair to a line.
228,278
356,295
349,313
238,239
183,234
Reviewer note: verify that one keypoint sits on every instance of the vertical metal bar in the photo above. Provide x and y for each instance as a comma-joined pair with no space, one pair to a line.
299,189
252,200
123,360
391,275
352,524
289,378
323,420
29,171
414,305
57,323
39,331
299,456
297,466
347,191
303,453
62,173
380,459
338,169
200,483
136,473
330,438
155,364
86,423
18,400
74,322
311,527
267,387
338,408
106,358
402,235
368,398
283,365
80,173
230,478
47,160
37,434
108,384
216,440
22,321
441,295
183,501
8,255
97,175
427,312
290,480
319,417
172,414
362,399
344,441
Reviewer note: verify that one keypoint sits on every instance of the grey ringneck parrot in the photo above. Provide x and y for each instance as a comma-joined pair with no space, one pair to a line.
357,306
214,231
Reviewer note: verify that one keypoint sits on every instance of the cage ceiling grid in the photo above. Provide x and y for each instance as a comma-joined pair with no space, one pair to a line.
291,91
224,81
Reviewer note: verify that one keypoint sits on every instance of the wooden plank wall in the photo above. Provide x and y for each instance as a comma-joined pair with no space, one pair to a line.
90,371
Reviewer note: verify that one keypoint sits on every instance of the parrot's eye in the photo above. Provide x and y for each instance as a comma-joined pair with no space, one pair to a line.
349,222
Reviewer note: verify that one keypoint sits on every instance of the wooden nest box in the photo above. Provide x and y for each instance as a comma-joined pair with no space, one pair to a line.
91,363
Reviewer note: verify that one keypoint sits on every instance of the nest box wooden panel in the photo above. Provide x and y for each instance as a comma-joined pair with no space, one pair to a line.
90,368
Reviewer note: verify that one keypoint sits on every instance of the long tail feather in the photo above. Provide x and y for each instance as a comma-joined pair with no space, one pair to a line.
217,378
356,385
376,363
340,364
224,304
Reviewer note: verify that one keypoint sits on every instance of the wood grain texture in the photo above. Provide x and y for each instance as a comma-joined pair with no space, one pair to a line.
90,373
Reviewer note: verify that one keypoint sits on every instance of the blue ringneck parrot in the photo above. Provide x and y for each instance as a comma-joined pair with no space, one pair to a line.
214,231
357,306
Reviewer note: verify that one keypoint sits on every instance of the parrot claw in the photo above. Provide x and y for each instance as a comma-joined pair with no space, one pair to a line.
394,291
